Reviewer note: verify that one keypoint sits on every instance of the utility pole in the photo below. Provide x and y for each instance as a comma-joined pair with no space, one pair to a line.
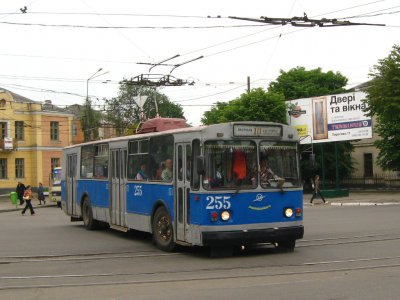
87,132
248,84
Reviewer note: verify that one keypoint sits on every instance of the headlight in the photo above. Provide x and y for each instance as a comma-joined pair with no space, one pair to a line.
225,215
288,212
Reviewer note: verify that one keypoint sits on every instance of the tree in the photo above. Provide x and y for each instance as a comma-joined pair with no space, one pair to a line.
90,121
257,105
124,114
384,103
299,83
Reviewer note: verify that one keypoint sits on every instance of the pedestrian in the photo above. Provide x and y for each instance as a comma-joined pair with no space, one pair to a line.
41,194
317,190
20,192
28,199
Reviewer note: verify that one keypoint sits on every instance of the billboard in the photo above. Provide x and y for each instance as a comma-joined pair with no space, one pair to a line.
330,118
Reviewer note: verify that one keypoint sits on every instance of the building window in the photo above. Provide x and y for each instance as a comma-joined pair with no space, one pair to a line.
368,166
3,103
3,168
3,128
55,162
19,130
54,131
19,168
74,130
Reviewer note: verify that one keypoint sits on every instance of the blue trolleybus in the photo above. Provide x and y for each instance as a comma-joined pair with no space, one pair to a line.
221,185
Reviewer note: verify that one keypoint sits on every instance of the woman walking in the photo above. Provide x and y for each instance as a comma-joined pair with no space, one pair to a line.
28,199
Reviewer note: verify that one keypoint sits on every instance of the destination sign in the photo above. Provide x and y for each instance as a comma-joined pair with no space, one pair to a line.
257,130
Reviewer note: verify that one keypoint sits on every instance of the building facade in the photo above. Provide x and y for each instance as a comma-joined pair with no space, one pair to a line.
32,137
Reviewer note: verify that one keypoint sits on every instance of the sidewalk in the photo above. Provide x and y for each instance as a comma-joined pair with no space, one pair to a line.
6,205
359,198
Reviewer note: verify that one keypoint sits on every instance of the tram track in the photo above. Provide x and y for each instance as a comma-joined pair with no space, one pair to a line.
199,274
343,240
254,270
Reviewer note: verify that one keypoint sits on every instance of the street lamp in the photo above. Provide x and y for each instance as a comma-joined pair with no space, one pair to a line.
87,134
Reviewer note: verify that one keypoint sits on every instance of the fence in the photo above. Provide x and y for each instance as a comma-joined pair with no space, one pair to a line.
378,181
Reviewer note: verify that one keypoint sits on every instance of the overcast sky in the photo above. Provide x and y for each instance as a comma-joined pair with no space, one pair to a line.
53,62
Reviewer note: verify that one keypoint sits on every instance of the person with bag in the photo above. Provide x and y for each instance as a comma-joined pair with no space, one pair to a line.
28,199
41,194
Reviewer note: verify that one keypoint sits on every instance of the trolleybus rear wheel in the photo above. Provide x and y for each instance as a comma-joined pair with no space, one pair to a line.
87,215
163,232
286,246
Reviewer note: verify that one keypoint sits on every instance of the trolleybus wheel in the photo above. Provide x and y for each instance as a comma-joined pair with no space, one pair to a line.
87,215
163,233
286,246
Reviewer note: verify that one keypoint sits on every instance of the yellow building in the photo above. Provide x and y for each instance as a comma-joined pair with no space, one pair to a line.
32,135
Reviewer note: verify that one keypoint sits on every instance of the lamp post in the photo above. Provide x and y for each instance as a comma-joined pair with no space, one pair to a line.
87,133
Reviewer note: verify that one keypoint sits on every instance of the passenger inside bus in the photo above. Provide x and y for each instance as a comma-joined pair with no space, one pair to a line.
141,174
166,174
159,171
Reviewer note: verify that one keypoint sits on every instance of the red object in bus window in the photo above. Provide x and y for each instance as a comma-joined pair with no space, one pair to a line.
239,165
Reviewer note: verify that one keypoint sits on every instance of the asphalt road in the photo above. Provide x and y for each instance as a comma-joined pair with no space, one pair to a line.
347,253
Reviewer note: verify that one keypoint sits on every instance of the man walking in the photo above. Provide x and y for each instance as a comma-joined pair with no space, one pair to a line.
317,190
20,192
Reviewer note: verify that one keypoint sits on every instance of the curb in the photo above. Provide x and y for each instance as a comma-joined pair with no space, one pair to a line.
21,208
364,203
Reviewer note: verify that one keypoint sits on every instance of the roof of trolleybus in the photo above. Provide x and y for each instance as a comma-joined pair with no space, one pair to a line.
210,132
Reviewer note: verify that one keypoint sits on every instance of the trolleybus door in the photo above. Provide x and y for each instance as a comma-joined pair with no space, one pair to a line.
182,197
71,184
118,186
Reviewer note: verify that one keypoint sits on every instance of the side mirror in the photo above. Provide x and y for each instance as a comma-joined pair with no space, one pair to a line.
200,164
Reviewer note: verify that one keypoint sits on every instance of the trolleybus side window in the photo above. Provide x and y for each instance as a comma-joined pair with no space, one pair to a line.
195,182
230,164
161,150
138,168
87,158
101,161
278,164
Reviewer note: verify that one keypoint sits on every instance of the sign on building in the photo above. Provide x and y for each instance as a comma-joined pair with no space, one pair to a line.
330,118
8,143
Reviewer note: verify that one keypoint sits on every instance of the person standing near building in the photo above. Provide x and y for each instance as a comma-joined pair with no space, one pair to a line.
41,194
28,199
20,192
317,190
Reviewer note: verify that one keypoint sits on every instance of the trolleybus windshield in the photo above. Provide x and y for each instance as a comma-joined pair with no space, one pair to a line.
230,164
278,164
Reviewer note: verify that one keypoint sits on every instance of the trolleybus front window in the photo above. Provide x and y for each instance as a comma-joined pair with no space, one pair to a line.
278,165
230,165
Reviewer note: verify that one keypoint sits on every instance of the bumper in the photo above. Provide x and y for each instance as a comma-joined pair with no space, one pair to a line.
270,235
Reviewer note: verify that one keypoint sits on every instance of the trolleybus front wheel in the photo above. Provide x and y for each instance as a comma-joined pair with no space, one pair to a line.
87,215
163,233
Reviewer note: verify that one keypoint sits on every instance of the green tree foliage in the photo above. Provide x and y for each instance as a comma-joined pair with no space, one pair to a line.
258,105
123,112
90,122
299,83
384,103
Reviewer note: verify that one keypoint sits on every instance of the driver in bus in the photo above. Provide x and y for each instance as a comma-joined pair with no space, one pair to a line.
266,172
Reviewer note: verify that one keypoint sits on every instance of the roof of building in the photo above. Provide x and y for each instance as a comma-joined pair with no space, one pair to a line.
46,106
